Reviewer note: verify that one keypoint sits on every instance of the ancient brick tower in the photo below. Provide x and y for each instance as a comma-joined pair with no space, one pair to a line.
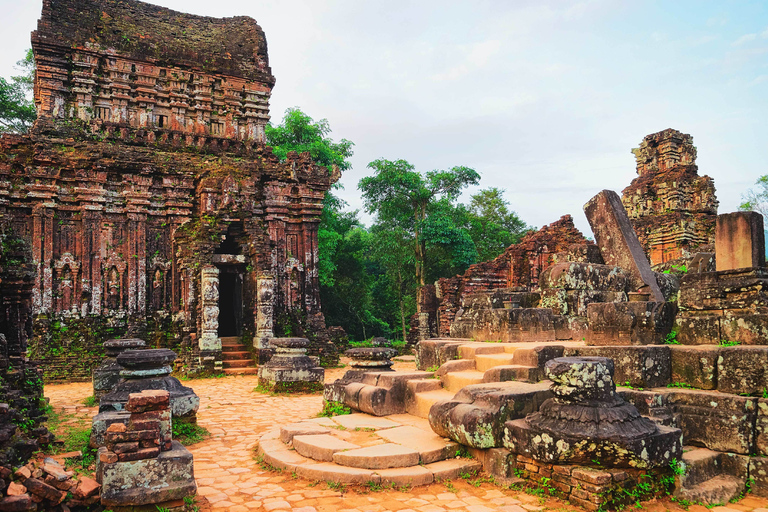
672,208
144,187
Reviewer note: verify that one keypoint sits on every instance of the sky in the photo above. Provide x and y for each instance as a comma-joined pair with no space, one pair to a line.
545,99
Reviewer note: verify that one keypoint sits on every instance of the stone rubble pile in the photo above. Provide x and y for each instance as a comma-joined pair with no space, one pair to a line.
44,484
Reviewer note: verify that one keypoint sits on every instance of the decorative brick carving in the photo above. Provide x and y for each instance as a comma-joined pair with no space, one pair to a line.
671,207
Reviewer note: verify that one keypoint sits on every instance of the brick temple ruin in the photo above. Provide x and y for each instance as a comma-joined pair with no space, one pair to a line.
147,196
605,371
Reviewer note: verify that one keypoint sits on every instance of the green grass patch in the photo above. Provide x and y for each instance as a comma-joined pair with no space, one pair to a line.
333,409
188,433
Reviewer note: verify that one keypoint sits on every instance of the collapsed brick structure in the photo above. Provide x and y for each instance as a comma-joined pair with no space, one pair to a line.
518,268
672,208
146,192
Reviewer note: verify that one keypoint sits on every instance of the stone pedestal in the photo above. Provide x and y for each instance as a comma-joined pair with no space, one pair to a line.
143,370
290,368
374,359
588,423
141,464
107,375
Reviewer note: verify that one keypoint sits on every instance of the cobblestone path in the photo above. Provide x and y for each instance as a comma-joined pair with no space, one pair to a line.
231,479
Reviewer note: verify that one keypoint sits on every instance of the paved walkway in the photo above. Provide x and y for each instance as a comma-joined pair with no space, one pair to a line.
231,479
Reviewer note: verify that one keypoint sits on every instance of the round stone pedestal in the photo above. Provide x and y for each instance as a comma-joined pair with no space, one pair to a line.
107,375
291,369
150,369
374,359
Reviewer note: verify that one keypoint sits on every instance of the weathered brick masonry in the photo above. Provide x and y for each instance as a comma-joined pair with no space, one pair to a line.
146,192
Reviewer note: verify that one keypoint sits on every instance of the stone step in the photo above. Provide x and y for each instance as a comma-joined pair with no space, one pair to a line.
381,456
238,363
469,351
484,362
455,381
235,354
421,385
230,339
423,402
233,348
513,372
241,371
701,465
320,447
718,490
430,447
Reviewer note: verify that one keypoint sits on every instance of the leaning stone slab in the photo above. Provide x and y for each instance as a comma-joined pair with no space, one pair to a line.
695,365
138,482
381,456
618,241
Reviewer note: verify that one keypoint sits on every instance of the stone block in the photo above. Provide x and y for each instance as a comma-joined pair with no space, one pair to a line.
741,289
475,416
618,242
170,476
739,241
629,323
584,276
742,369
646,367
575,302
758,472
382,456
695,365
761,428
717,421
434,352
744,327
697,329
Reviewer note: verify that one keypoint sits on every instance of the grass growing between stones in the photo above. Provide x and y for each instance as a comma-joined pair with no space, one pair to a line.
333,409
73,434
189,433
90,401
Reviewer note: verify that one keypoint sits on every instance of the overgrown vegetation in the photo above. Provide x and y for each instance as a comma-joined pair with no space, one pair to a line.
333,409
369,276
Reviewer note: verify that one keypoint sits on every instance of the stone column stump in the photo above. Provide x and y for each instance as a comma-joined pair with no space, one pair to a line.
291,369
107,375
373,359
144,370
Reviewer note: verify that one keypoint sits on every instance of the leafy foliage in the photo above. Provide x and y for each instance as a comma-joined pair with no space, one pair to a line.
17,112
756,199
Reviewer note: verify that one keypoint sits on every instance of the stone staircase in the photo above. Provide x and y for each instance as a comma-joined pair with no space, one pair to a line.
236,358
709,476
480,363
361,449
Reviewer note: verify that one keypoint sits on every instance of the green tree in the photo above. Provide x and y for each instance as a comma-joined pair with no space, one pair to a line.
401,197
17,111
756,199
491,224
299,132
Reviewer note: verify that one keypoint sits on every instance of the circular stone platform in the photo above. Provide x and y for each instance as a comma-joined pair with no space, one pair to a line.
359,448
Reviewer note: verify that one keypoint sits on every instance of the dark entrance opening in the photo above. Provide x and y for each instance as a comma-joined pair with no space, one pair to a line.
230,303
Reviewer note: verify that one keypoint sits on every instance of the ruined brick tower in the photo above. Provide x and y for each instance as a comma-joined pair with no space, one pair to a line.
146,192
671,207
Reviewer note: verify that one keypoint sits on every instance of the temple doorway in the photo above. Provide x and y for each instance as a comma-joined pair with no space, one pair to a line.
230,302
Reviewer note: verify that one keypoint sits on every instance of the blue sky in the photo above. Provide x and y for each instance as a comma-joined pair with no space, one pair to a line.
544,99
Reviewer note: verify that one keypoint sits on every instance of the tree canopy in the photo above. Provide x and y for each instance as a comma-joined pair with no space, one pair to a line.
756,198
399,195
17,111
